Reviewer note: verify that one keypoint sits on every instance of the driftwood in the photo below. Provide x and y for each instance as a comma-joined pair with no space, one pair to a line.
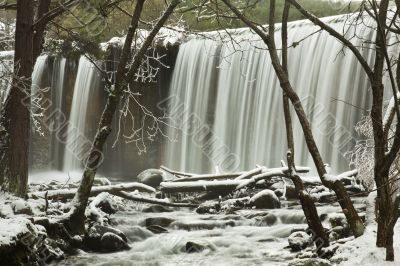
200,186
139,198
70,193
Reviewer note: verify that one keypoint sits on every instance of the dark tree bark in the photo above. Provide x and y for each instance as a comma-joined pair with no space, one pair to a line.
320,237
74,221
344,200
15,119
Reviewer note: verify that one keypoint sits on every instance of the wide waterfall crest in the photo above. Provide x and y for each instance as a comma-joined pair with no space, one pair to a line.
247,115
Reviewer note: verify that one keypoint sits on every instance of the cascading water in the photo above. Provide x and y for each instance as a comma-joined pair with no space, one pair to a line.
58,95
82,124
248,123
193,82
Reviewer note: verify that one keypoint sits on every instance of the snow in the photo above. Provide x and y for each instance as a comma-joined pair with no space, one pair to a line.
167,36
4,54
13,229
362,250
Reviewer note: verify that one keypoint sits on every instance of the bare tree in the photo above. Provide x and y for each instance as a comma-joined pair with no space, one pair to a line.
126,71
385,149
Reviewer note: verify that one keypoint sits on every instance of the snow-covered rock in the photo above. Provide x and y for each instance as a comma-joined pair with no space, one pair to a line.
18,241
265,199
151,177
20,206
299,240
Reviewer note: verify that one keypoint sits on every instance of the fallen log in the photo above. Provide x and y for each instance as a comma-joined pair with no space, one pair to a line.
284,168
200,186
250,173
275,173
208,177
70,193
130,196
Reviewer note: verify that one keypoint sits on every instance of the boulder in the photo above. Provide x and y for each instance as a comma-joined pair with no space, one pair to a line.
151,177
195,246
265,199
299,240
160,221
19,242
107,205
92,240
111,242
137,233
156,229
20,206
269,219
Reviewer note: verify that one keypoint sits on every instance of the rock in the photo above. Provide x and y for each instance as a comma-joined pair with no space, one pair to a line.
235,204
20,206
151,177
137,233
309,262
337,220
6,211
194,246
338,232
156,229
261,184
209,207
160,221
265,199
92,240
19,242
270,219
157,208
111,242
107,205
299,240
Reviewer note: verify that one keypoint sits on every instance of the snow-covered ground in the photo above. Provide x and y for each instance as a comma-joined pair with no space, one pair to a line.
362,250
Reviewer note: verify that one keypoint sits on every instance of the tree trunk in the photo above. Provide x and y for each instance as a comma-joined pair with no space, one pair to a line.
15,119
74,221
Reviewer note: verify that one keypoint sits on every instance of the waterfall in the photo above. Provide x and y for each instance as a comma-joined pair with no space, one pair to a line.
242,110
83,117
193,82
58,95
